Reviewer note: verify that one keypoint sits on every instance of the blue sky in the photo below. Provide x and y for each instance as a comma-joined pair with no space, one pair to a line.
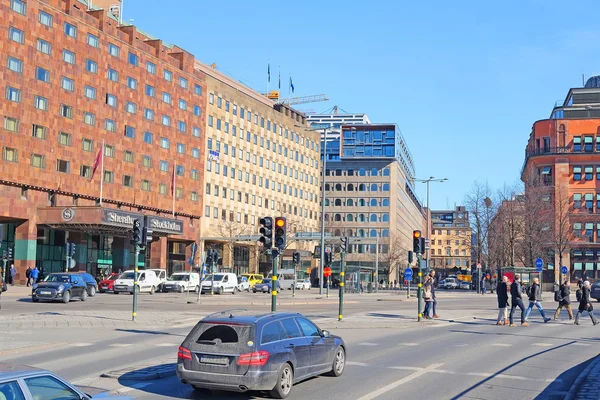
464,80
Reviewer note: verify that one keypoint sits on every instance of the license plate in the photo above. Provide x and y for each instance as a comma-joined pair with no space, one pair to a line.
45,292
214,360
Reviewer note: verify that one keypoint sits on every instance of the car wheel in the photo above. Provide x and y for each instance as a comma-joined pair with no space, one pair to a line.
35,299
152,290
181,289
92,291
66,297
254,291
339,362
234,290
220,290
115,292
285,380
84,296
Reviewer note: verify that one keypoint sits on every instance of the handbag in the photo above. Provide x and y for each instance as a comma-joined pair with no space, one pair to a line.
4,287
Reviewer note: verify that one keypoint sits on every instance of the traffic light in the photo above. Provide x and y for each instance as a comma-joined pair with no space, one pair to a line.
296,257
136,236
266,232
344,244
280,228
410,257
5,255
328,258
72,250
68,250
10,253
146,235
417,242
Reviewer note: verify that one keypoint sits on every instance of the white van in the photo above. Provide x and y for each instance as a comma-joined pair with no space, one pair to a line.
221,282
147,282
161,275
286,278
182,281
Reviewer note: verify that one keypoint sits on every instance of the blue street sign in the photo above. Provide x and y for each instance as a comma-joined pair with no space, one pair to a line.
564,270
408,273
539,263
190,261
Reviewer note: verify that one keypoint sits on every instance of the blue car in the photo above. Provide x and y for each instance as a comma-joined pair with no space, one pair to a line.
90,281
236,351
60,287
266,286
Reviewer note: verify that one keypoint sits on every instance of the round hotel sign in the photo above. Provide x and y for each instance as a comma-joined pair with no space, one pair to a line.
68,214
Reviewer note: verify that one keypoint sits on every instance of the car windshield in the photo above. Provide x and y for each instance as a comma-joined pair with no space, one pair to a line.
300,281
113,277
58,278
127,275
179,277
266,281
218,277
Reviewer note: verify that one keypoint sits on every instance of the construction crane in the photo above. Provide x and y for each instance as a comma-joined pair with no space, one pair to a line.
274,95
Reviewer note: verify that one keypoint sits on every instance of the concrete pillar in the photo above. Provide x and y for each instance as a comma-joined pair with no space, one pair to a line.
121,249
25,249
158,253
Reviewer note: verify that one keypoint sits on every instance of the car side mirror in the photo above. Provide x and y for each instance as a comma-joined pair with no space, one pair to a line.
325,334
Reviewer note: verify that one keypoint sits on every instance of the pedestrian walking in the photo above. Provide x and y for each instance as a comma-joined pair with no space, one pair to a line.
563,299
502,293
362,286
35,273
3,287
28,276
585,304
13,274
516,301
427,296
535,299
482,286
434,286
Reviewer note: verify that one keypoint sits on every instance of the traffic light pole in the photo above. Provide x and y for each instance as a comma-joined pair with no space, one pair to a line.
274,283
135,282
342,280
419,290
295,279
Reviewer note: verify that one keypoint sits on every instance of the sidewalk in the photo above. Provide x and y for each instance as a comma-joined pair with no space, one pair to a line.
587,385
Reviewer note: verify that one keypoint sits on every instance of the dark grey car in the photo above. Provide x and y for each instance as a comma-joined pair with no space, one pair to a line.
60,286
269,352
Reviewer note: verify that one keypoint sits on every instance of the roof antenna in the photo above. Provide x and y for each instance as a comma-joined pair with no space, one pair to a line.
583,80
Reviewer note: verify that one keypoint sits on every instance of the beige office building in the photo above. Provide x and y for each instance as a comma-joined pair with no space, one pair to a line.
261,161
450,240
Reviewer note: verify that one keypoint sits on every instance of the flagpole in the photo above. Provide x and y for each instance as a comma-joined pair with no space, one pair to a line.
102,172
268,76
289,92
174,188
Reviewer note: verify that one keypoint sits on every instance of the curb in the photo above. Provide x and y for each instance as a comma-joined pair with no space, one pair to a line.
581,378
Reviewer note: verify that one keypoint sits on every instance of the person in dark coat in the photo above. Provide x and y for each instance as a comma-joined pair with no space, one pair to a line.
502,293
535,299
517,300
585,304
564,300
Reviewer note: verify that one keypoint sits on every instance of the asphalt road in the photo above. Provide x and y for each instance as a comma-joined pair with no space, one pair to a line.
469,358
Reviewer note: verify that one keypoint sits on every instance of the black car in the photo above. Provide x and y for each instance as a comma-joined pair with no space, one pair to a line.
269,352
90,281
60,287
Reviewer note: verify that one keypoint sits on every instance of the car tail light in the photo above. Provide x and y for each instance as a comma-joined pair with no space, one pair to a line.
256,358
184,354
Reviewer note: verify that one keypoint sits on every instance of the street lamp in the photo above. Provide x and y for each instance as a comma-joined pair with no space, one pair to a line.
324,129
427,181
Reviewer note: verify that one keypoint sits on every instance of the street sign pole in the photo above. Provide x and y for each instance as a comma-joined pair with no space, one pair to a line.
342,280
408,277
135,282
295,280
539,266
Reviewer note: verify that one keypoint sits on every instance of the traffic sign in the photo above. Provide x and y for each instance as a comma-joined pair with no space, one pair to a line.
190,261
327,272
408,273
539,264
564,270
72,263
479,266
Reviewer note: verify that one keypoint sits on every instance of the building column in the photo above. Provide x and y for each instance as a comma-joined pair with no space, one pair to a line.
121,250
158,253
25,249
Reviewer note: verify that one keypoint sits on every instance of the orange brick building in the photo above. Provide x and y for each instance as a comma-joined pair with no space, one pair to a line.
563,153
73,78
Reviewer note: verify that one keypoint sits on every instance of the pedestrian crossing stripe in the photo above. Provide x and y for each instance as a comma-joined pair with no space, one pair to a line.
120,345
82,344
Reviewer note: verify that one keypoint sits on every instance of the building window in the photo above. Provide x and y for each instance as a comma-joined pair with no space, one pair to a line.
18,6
147,161
66,111
133,59
588,144
64,138
129,131
196,132
44,47
109,177
149,114
41,103
577,173
162,188
91,66
112,75
180,148
131,107
182,104
148,137
113,50
9,154
15,65
166,120
111,100
197,110
89,118
92,40
195,153
547,175
109,151
181,126
210,120
589,173
146,185
132,83
110,125
70,30
128,181
63,166
128,156
179,193
180,170
194,174
13,94
68,56
151,68
166,97
42,74
45,18
67,84
89,92
16,34
38,161
164,143
194,196
150,91
219,102
589,202
183,83
87,144
211,98
168,75
38,131
198,89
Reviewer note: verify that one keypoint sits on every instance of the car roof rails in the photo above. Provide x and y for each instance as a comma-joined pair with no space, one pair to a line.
230,311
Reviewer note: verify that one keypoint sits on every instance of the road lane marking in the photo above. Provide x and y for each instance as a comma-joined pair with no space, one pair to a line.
358,364
580,344
167,344
120,345
82,344
461,345
399,382
408,368
501,344
543,344
368,344
408,344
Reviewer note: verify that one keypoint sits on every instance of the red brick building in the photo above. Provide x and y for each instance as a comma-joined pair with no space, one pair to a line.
72,79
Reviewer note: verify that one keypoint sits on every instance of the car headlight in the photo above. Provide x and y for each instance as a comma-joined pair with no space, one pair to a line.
60,288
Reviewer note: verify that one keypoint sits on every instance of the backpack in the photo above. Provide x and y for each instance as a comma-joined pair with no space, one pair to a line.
578,294
528,291
557,296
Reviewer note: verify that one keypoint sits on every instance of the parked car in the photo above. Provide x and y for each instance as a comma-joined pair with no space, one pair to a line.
221,283
107,285
286,277
267,352
182,282
302,284
450,283
253,279
595,292
442,283
161,276
147,282
265,286
465,285
63,287
243,284
27,383
90,281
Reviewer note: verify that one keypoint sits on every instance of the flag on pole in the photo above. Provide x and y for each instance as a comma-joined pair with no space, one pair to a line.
97,162
173,180
279,85
269,72
291,84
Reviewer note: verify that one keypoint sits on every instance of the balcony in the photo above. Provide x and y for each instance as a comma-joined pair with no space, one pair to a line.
552,151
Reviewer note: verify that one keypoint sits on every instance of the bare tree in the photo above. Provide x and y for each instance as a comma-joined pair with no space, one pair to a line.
481,210
394,254
561,230
229,230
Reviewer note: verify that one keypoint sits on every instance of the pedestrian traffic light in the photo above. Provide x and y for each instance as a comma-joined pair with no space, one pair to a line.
344,244
280,228
266,232
417,242
146,235
72,250
296,257
328,258
136,236
68,249
410,257
10,253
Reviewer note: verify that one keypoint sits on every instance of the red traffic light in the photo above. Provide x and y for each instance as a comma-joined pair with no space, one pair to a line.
327,272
